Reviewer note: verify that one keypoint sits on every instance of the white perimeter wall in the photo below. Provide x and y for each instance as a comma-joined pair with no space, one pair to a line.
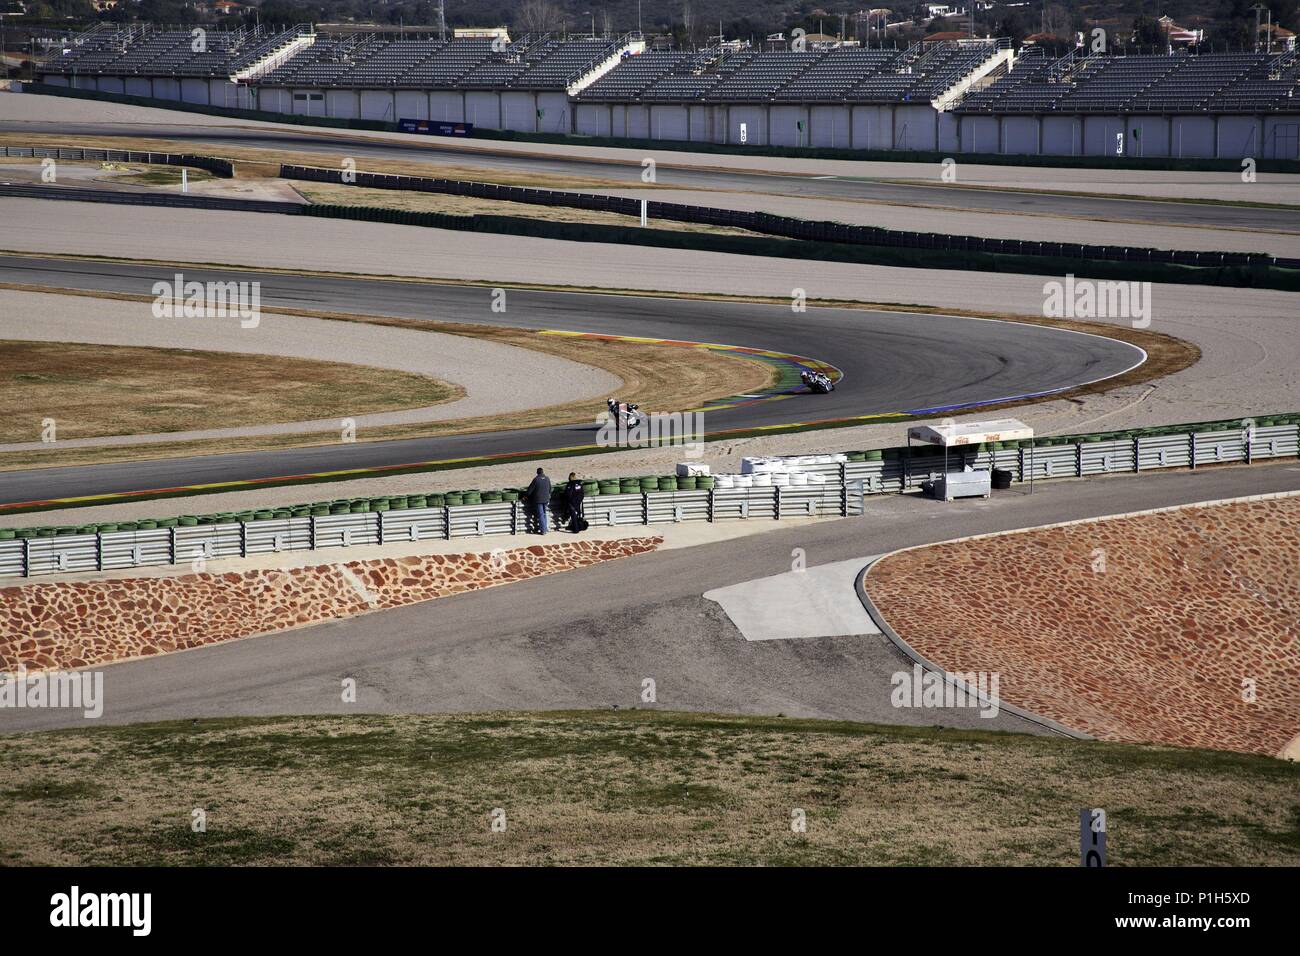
903,126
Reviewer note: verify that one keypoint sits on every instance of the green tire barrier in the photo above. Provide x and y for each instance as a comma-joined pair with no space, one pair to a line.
595,487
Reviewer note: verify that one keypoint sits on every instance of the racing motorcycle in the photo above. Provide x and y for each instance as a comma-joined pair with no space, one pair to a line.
817,382
624,414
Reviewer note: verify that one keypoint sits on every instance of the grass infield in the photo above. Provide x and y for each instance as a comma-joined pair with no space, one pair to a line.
649,788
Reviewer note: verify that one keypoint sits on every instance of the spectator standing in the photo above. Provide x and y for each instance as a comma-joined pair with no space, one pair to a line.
539,499
573,492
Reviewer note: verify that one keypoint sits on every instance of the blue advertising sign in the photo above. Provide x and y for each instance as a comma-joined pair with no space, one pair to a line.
435,127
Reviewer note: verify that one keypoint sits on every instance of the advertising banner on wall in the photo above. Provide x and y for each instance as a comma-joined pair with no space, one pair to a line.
435,128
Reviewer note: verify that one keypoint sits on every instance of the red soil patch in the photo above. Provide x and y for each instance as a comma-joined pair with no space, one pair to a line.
1146,628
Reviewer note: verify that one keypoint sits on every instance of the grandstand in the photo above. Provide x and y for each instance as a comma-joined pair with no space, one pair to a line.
961,96
1185,104
206,66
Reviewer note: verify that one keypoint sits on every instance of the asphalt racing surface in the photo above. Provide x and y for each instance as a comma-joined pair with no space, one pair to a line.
891,362
984,199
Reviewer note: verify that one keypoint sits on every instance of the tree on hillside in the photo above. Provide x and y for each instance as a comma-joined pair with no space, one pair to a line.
1056,21
539,16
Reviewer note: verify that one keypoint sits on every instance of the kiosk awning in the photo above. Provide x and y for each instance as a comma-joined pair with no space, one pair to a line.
971,433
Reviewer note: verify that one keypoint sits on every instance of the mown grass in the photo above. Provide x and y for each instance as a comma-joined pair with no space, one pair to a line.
624,788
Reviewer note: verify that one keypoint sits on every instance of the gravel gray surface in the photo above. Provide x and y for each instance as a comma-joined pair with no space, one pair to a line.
1009,225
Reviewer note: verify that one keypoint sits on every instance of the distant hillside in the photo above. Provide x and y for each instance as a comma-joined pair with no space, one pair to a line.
692,22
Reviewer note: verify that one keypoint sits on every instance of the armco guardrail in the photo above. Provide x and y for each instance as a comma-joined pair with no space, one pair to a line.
31,552
55,552
219,167
783,226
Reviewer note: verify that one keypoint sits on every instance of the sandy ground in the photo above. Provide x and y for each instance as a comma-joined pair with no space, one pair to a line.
530,380
1269,187
1008,225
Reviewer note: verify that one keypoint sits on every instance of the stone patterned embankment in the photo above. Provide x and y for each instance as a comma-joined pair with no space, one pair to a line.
1141,628
78,624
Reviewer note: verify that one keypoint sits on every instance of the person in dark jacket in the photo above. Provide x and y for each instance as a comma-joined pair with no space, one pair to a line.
539,498
573,492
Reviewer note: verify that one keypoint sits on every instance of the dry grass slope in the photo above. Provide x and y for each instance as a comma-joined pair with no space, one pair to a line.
624,788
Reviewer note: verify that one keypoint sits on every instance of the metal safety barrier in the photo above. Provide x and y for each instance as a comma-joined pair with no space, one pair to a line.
55,551
197,544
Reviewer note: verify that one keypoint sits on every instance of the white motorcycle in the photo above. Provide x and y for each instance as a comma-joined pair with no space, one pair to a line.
817,383
624,414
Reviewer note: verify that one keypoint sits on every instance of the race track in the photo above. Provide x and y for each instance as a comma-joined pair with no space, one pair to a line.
892,362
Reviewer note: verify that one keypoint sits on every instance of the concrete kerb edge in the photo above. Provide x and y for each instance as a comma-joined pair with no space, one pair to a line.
859,584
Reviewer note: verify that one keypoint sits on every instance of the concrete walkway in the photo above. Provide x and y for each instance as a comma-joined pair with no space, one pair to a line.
813,602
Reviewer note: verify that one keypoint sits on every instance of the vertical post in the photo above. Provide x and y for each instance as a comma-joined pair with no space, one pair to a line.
1191,448
27,557
1137,454
99,551
645,507
171,545
380,516
243,539
712,491
776,503
1078,459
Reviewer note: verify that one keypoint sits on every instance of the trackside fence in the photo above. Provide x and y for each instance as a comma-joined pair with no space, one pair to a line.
218,167
32,552
56,553
785,227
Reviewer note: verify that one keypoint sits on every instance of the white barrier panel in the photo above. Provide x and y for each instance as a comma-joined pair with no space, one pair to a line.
135,549
11,557
345,531
72,552
206,542
277,534
465,521
414,524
